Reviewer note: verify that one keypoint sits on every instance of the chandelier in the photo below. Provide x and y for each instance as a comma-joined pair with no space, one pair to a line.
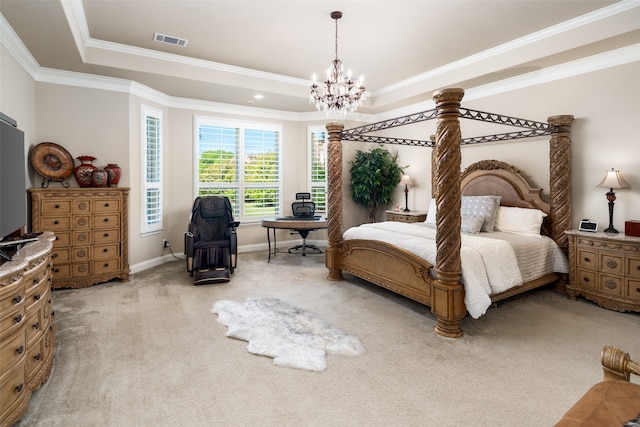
339,93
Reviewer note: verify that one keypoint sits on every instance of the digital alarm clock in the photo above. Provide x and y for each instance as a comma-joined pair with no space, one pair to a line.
586,225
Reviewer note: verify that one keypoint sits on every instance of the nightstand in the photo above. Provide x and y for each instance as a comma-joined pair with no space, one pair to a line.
401,216
605,269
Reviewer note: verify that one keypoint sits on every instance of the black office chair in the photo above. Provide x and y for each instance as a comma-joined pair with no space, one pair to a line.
304,210
211,245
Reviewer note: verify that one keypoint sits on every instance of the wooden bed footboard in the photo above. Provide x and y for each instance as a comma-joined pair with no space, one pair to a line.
388,266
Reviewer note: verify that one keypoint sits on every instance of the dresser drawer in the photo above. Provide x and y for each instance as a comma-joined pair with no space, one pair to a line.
12,296
106,266
105,251
81,238
80,269
13,350
12,320
106,236
34,326
107,205
587,259
633,267
80,253
56,223
35,359
63,238
586,279
106,221
13,388
61,271
61,255
56,207
611,285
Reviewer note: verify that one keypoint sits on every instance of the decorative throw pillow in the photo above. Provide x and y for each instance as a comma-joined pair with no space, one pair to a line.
483,206
431,213
471,224
519,220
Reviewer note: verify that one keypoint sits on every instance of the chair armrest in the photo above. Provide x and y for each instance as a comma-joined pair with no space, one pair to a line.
234,224
617,365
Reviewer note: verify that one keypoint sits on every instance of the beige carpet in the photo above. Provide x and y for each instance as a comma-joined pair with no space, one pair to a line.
150,353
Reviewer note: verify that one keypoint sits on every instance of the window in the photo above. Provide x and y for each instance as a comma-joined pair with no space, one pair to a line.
317,168
241,161
151,169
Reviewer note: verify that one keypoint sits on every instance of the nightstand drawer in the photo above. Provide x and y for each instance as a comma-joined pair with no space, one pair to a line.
586,279
611,285
633,267
402,216
587,259
633,289
611,263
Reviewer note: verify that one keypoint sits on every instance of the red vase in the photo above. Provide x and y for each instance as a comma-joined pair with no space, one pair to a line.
84,171
113,174
99,178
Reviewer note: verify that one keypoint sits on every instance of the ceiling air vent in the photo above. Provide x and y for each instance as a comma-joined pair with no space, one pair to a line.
175,41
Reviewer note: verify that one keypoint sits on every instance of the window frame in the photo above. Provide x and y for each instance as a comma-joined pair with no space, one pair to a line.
313,185
241,126
152,226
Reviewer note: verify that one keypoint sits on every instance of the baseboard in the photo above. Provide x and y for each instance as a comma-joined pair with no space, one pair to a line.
154,262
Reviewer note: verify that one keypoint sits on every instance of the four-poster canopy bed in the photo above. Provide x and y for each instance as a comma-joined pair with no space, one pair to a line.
438,284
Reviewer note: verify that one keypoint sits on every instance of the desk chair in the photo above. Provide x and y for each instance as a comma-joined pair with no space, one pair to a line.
211,242
304,209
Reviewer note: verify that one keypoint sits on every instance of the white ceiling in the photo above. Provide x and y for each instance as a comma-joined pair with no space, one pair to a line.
237,48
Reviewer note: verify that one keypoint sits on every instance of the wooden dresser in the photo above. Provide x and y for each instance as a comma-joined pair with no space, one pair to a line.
26,326
605,268
91,228
403,216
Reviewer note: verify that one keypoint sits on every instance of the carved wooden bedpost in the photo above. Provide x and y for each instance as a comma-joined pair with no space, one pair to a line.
560,178
447,298
334,200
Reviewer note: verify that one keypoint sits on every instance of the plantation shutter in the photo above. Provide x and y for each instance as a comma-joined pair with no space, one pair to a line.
318,168
152,137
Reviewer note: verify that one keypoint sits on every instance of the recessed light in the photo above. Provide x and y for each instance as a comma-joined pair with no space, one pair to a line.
258,96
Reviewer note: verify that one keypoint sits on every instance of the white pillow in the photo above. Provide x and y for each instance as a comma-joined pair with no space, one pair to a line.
484,206
431,213
519,220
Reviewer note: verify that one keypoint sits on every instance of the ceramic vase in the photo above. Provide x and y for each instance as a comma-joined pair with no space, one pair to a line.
113,174
99,178
84,171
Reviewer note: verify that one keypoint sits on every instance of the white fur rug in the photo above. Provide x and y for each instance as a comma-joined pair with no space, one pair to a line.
292,337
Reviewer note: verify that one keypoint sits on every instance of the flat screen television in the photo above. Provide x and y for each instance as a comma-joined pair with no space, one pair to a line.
13,189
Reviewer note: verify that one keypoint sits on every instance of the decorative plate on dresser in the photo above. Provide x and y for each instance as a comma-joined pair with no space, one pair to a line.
605,268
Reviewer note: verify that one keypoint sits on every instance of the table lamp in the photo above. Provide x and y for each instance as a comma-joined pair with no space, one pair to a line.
406,181
612,180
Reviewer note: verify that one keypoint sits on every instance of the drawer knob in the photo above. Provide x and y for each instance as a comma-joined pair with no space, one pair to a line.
587,259
56,270
56,222
585,279
57,206
18,318
36,325
37,357
54,256
611,263
638,290
106,220
106,264
107,235
106,205
638,268
20,349
105,250
36,280
610,284
37,297
17,299
19,388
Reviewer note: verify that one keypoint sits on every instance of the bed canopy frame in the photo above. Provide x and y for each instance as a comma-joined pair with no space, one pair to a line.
446,297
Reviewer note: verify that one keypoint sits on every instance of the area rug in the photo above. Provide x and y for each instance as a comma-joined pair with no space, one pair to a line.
293,337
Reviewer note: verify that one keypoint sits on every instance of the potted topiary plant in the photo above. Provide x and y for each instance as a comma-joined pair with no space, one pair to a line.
375,175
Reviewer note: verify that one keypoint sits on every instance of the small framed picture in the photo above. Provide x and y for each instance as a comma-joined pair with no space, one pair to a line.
586,225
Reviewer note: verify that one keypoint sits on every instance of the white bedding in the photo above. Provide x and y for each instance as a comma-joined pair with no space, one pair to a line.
491,262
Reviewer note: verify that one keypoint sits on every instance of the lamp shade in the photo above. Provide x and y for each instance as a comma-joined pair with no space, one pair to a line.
406,180
613,179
